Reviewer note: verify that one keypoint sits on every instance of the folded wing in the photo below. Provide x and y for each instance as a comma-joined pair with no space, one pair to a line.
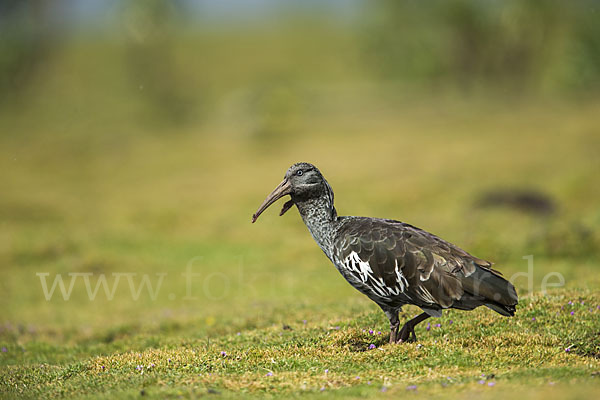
402,264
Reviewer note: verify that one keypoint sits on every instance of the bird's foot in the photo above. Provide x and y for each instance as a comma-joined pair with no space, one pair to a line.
407,334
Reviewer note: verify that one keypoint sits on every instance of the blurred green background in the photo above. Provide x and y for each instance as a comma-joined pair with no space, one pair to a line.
136,136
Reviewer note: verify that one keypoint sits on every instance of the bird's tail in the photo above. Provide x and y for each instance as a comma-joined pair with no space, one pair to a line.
494,291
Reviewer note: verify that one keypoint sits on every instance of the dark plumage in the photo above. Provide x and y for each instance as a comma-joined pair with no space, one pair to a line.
391,262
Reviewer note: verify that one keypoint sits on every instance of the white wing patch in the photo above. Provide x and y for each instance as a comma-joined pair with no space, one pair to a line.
425,295
400,278
354,264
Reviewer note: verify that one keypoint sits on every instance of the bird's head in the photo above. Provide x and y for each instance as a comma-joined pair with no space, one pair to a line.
303,182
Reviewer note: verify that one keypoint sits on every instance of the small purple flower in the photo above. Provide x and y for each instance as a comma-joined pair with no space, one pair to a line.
411,387
572,312
379,333
438,325
139,367
570,303
481,382
169,360
582,302
269,373
4,349
239,333
322,388
383,389
372,346
568,349
368,382
370,331
223,354
533,318
357,377
490,384
304,321
103,368
428,326
598,307
326,371
450,322
152,365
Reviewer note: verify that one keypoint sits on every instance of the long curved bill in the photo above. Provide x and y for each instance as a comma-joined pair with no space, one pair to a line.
284,188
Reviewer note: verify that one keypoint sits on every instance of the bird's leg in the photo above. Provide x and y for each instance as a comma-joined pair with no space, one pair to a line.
394,331
394,324
407,333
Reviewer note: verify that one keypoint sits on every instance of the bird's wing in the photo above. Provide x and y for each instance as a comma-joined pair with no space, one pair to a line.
392,257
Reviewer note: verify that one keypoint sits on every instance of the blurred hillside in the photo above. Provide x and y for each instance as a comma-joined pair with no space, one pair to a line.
118,64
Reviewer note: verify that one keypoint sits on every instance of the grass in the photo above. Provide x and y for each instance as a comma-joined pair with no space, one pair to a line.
332,355
100,195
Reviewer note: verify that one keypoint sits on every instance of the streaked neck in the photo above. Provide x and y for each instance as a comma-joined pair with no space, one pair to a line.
320,217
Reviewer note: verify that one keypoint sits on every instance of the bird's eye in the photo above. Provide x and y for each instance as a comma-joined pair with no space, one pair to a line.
299,172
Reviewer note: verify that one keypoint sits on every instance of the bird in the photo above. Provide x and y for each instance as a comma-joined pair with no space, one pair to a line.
393,263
